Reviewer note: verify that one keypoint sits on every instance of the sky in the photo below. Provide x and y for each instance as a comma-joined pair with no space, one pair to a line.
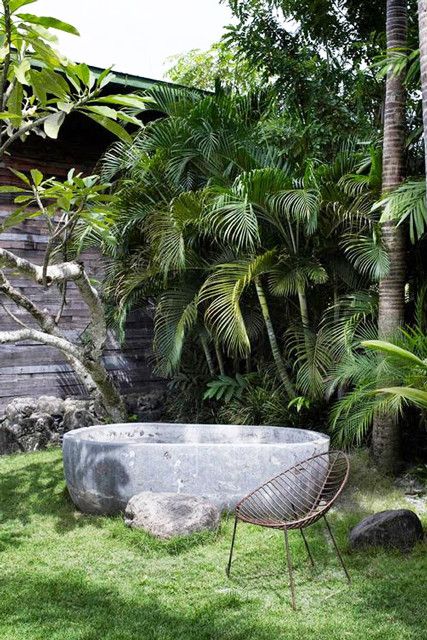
136,36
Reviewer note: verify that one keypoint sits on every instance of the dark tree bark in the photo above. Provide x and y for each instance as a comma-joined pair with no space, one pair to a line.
385,439
422,23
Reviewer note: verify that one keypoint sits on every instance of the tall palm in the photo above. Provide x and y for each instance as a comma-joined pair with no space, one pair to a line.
385,439
422,24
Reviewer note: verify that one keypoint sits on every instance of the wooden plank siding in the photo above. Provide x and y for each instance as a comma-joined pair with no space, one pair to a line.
30,369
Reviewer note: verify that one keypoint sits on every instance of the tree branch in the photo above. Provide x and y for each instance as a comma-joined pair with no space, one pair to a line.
44,319
6,63
12,315
55,273
98,327
63,272
49,340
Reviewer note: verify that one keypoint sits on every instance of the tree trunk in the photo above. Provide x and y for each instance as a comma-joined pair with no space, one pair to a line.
273,341
385,437
302,298
110,397
219,358
86,360
207,355
422,22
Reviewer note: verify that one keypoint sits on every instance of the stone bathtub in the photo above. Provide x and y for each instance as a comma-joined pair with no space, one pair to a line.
106,465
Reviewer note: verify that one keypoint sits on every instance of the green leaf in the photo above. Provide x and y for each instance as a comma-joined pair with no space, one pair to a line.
114,127
37,176
16,218
21,176
66,107
6,115
129,100
54,83
417,396
53,123
36,81
11,189
14,103
17,4
107,112
104,78
21,70
49,23
393,350
121,115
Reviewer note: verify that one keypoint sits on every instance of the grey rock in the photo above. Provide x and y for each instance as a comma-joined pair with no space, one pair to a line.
20,407
167,515
52,405
8,443
31,423
30,434
147,406
77,418
400,529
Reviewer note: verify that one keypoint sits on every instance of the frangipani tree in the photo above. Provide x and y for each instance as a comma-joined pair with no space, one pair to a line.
71,210
39,87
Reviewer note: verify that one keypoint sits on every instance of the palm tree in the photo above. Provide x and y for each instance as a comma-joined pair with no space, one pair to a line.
422,24
385,439
385,376
239,248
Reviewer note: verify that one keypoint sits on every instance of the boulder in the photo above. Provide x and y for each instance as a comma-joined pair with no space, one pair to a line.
52,405
400,529
20,408
166,515
77,418
147,406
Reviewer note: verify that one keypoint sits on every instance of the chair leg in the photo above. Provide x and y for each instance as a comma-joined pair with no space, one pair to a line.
227,571
307,547
289,563
337,550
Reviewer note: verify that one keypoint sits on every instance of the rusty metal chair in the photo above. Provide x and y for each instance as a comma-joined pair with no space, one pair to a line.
295,499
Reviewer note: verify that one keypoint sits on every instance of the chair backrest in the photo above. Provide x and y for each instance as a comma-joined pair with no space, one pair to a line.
307,489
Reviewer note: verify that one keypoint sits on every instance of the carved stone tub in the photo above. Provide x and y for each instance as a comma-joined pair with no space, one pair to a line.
106,465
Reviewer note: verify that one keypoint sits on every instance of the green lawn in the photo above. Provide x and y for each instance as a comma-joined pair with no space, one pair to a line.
67,576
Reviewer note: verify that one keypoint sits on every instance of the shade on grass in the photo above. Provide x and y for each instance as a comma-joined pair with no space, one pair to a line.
67,576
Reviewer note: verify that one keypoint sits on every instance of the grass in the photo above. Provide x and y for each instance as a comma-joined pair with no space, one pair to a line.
67,576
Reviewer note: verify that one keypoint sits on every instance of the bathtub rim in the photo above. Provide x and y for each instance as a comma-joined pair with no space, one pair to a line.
77,435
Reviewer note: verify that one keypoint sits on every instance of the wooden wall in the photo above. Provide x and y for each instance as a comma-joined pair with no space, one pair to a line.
29,369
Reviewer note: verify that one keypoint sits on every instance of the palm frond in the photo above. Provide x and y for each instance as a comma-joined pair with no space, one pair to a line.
367,255
223,290
176,315
407,203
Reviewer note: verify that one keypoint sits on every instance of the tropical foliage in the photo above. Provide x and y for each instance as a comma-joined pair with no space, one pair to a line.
258,261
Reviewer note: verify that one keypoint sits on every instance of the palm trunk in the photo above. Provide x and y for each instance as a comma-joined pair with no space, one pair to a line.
273,341
385,437
303,308
422,23
219,358
208,356
302,298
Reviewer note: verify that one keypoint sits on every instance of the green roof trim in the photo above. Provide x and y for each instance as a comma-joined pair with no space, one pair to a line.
130,80
138,82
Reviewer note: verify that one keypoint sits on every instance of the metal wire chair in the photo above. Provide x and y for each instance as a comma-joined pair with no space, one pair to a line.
295,499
